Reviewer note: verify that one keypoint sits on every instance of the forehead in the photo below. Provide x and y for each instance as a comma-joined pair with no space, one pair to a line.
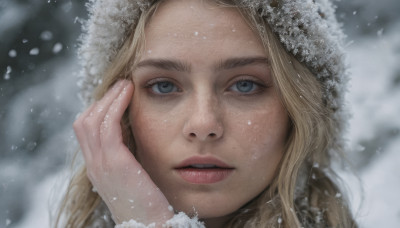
199,23
178,15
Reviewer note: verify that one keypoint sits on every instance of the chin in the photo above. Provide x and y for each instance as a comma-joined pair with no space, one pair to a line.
205,208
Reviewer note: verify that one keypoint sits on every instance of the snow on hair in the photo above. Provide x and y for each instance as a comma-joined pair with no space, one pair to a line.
308,32
103,34
307,29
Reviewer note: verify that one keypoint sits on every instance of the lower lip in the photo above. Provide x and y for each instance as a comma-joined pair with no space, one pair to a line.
204,176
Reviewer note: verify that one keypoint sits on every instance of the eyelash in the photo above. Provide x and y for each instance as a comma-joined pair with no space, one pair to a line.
259,86
150,84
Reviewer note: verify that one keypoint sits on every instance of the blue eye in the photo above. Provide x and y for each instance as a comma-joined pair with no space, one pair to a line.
244,86
164,87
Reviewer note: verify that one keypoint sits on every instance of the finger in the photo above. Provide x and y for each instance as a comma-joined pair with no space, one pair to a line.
111,133
81,134
93,121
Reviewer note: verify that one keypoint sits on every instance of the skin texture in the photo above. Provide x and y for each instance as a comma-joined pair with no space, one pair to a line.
193,47
220,103
114,172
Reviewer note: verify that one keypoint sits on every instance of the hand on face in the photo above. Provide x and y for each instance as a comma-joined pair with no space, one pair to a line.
119,179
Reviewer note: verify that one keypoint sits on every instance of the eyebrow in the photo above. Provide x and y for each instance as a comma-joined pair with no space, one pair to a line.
241,62
165,64
177,65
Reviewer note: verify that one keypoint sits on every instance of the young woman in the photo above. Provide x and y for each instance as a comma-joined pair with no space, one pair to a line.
209,114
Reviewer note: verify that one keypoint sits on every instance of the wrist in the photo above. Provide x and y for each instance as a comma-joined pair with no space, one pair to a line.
158,221
177,220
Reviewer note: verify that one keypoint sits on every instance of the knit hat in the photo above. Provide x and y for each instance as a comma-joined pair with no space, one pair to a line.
307,29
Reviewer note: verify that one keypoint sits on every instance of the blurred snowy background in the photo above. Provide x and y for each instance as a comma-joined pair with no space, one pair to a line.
38,103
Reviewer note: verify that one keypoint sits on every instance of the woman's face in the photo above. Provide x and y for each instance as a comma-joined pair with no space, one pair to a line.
208,124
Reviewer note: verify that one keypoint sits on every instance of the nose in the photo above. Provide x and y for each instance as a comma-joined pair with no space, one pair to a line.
204,120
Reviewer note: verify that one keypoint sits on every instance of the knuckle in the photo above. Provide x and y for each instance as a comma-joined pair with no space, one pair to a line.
90,176
77,124
91,173
88,122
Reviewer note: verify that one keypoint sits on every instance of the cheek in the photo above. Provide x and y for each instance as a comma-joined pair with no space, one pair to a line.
153,128
264,135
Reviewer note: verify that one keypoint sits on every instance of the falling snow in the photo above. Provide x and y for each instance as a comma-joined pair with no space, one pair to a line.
34,51
57,48
46,35
8,72
374,96
12,53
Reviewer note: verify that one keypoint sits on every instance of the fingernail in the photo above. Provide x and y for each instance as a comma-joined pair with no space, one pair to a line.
126,82
117,84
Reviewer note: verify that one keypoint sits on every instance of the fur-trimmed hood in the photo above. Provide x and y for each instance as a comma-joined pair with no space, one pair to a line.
307,29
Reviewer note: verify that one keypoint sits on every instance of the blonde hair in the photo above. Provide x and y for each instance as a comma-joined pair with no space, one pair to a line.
303,192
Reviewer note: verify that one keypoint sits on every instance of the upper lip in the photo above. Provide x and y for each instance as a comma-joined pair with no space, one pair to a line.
198,160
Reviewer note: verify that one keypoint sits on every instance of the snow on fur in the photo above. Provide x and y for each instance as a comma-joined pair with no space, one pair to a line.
103,34
180,220
307,29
